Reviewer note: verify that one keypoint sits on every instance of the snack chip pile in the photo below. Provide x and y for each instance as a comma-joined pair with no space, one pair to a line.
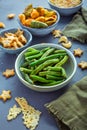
13,40
37,17
65,3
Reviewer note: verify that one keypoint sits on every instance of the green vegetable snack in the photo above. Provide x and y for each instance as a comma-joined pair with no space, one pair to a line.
44,67
38,24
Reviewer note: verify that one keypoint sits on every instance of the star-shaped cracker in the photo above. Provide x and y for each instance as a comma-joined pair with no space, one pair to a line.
56,33
83,65
8,73
78,52
6,94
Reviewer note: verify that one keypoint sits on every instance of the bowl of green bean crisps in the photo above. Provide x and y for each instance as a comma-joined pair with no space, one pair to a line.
45,67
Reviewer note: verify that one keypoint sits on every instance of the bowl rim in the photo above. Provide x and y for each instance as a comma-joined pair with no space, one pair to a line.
58,18
10,30
53,86
67,7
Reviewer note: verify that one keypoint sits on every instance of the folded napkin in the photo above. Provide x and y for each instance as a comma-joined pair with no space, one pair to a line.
77,28
70,109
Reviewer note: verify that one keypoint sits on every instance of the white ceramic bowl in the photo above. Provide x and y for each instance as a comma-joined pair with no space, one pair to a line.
27,35
66,11
70,68
42,31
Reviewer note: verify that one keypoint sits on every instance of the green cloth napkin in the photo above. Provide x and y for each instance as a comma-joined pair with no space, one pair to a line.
77,28
70,109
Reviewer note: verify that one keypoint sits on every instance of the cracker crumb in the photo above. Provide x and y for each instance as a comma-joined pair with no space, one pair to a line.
56,33
78,52
31,116
63,39
83,65
8,73
6,94
67,45
13,112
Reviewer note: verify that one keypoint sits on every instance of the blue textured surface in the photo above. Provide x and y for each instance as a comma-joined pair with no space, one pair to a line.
36,99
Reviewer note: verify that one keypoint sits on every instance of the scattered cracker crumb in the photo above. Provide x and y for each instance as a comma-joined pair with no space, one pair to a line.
2,25
83,65
8,73
78,52
6,94
13,112
67,45
63,39
10,16
31,116
56,33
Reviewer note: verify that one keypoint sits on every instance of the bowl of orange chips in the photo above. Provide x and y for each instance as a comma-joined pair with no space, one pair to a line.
39,21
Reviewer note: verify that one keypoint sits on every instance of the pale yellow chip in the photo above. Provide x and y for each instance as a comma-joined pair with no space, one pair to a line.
13,112
31,116
31,120
22,103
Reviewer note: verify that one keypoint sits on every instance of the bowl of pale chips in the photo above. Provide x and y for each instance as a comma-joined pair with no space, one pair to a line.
65,7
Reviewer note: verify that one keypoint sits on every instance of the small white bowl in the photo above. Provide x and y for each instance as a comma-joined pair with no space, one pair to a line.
66,11
42,31
27,35
70,68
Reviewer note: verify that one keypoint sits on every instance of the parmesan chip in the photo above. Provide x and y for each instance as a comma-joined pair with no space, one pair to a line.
31,116
13,112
